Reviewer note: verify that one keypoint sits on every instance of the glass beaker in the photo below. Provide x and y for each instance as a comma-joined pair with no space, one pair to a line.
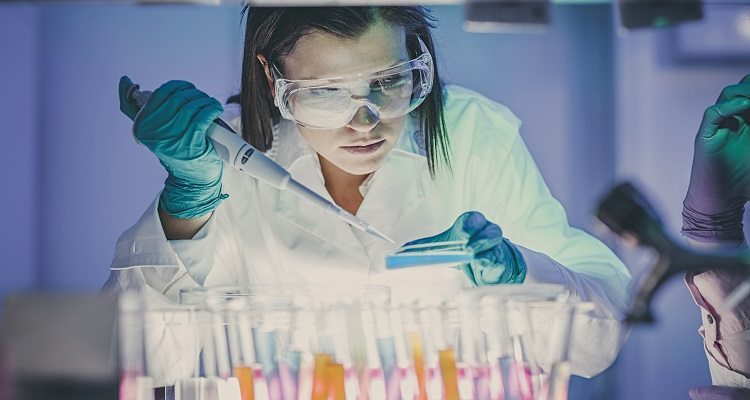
511,350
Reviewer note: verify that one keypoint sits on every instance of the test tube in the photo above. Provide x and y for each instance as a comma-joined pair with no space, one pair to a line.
242,352
335,382
407,382
472,363
447,353
299,359
503,381
413,345
135,384
417,352
320,376
373,376
556,386
434,342
333,335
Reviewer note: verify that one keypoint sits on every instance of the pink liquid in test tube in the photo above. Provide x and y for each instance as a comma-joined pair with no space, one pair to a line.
351,383
288,382
376,384
434,383
465,381
259,383
482,382
523,374
407,383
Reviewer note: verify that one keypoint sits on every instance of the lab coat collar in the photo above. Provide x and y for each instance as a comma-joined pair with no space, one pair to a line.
393,191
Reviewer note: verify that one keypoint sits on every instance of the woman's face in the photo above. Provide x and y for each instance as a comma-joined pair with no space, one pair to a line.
359,147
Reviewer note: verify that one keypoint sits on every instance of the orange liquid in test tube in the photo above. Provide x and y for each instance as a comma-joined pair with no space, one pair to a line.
415,342
336,387
244,375
320,375
448,372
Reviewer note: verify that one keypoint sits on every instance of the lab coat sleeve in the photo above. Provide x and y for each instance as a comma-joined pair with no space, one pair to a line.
536,222
147,263
164,266
557,253
167,266
515,196
725,333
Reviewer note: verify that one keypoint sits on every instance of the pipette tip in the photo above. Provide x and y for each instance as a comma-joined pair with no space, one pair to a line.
373,231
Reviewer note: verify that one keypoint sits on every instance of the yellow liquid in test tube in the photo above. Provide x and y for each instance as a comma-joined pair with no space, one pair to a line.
244,375
415,342
336,387
320,375
447,360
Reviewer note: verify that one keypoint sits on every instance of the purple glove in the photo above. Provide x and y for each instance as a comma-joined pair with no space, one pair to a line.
719,393
720,178
5,389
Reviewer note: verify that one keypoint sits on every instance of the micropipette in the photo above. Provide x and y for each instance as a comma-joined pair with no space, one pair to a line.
235,151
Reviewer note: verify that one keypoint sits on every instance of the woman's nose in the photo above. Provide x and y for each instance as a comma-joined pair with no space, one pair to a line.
364,120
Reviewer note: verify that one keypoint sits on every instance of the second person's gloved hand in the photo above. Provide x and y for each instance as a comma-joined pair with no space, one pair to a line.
496,259
719,393
720,177
173,125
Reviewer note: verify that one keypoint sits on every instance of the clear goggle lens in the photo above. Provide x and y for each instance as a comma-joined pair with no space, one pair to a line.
332,103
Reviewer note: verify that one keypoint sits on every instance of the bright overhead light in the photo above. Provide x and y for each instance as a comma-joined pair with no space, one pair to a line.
742,25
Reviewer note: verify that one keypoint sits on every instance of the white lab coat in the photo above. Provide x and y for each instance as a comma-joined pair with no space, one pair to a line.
261,235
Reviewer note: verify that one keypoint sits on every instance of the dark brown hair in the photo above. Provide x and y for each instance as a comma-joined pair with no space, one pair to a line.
273,32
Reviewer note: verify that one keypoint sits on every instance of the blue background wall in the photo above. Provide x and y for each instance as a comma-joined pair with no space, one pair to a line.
597,107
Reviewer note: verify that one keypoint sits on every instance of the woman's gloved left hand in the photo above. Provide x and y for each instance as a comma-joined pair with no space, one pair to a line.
496,259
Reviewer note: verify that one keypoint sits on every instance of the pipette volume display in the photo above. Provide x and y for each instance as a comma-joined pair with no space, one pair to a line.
235,151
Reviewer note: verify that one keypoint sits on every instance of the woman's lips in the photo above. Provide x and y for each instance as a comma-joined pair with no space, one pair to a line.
370,148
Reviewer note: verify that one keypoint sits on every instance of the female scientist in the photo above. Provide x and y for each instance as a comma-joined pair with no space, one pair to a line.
348,99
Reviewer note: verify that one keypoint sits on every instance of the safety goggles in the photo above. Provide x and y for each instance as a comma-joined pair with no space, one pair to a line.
332,102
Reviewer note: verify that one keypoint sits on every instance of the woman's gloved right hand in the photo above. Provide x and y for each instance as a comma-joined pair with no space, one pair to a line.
720,177
173,125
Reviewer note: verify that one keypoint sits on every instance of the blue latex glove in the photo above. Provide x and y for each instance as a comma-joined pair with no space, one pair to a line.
720,177
173,125
719,393
496,259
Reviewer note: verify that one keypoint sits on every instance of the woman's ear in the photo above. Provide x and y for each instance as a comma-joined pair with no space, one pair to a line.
267,69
